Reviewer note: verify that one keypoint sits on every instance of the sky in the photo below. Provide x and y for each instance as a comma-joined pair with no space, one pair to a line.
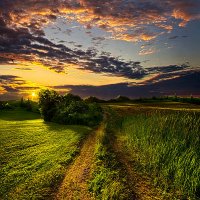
103,48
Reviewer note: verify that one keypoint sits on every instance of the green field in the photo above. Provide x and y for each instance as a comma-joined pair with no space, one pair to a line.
164,143
141,151
34,154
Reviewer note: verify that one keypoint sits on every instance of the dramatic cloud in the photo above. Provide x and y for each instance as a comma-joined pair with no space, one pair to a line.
167,69
9,79
117,15
5,60
178,82
22,46
14,86
23,40
184,86
130,20
9,83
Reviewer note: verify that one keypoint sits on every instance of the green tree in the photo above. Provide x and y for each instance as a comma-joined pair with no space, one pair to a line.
28,105
92,99
48,100
22,102
68,98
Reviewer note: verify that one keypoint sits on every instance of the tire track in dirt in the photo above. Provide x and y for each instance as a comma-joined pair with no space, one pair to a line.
140,184
74,185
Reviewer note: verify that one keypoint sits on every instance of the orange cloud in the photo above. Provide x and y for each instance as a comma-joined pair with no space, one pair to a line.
138,36
147,51
115,16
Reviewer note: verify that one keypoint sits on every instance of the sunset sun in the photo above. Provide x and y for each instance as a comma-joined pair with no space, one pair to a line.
33,94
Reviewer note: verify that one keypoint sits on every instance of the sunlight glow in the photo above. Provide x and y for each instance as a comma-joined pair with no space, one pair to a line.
33,94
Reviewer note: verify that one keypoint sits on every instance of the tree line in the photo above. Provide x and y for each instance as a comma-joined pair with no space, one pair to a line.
68,109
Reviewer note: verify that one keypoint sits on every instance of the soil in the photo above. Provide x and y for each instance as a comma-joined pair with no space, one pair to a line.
74,185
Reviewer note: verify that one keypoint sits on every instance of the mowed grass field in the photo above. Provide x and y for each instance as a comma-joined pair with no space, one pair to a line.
164,142
34,154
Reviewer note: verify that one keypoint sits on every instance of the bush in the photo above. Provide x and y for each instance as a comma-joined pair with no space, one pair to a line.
92,99
5,106
28,105
68,98
68,109
79,113
77,106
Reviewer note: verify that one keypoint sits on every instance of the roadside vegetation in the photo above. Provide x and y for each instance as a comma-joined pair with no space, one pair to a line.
109,180
165,145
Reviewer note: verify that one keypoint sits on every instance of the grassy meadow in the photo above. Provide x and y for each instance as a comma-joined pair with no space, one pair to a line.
164,143
34,154
142,151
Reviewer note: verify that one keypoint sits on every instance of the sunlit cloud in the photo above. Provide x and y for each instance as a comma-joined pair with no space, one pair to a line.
147,51
15,85
22,24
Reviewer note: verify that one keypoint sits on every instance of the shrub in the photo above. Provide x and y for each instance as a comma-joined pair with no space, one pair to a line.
68,98
5,106
68,109
28,105
92,99
79,113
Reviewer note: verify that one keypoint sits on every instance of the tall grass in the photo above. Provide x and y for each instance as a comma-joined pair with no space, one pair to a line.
108,179
167,145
